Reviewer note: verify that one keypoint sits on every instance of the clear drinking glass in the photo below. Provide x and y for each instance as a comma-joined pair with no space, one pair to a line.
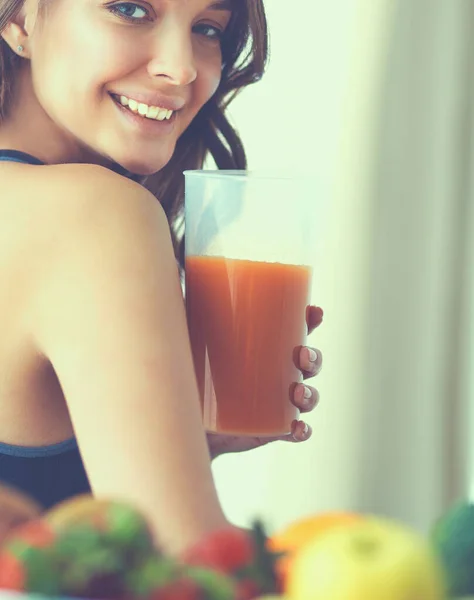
248,282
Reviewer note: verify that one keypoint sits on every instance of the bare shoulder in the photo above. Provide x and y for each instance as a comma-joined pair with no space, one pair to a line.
83,211
109,244
80,191
102,232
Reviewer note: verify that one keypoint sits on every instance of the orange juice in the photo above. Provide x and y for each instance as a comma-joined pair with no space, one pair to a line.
246,323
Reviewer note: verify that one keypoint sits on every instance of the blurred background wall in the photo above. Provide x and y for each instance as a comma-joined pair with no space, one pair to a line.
376,100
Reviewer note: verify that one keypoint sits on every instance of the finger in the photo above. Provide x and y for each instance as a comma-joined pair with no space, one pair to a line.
300,431
310,361
314,317
305,397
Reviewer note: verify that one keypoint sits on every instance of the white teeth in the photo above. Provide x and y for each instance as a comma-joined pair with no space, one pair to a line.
150,112
142,109
162,114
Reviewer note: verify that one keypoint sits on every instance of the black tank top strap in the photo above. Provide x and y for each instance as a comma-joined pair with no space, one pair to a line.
24,157
18,156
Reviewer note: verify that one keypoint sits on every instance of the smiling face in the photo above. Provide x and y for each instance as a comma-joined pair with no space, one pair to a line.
106,74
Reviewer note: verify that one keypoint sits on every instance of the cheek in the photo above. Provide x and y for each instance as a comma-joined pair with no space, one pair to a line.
75,62
205,86
209,77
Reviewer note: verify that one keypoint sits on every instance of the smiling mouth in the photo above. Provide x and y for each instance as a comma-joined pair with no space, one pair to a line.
154,113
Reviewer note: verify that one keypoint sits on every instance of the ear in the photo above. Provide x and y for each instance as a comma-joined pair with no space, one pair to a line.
16,35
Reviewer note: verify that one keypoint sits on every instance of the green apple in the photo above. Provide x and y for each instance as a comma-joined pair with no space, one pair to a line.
372,560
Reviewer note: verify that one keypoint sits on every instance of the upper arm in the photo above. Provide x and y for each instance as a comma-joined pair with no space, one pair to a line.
110,317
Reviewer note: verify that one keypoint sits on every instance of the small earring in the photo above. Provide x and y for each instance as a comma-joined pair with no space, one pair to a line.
20,48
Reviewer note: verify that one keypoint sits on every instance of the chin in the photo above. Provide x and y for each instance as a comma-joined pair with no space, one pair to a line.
141,166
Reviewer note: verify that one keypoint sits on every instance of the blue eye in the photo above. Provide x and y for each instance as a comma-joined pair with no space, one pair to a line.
129,10
209,31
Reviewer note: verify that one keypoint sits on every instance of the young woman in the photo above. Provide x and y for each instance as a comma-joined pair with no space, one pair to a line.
103,104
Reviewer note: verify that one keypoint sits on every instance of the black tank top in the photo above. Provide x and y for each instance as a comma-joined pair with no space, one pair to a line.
49,474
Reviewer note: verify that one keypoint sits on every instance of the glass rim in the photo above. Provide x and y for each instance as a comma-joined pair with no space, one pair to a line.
240,174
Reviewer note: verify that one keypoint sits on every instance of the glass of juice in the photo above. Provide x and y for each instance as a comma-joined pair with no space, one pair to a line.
247,286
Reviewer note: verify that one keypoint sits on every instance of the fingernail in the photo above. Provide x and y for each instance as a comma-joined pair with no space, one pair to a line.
312,355
306,429
307,393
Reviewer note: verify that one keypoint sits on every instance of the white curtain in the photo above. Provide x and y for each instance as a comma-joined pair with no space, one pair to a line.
376,99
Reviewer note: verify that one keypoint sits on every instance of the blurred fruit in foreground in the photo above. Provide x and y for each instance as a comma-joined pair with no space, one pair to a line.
100,549
180,589
241,554
211,584
100,544
167,580
15,509
299,533
372,560
122,525
453,539
83,547
26,561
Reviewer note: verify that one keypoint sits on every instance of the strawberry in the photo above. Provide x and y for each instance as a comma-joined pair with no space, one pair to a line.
181,589
102,548
196,583
88,564
247,589
224,550
36,534
26,561
242,554
160,577
12,573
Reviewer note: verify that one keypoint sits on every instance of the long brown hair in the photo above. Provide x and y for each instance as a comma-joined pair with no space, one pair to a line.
244,54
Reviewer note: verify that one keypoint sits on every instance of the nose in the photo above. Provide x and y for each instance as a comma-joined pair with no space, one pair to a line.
173,56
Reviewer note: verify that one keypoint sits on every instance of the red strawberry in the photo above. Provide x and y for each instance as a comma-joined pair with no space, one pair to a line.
242,554
247,589
26,561
12,573
35,534
181,589
224,550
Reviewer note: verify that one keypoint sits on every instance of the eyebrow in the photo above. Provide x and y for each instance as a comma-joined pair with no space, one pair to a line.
220,5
